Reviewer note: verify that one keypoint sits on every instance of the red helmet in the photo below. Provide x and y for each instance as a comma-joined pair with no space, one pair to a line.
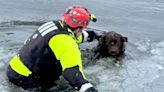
76,16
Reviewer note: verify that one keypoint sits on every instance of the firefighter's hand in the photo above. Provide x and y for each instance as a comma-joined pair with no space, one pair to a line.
93,35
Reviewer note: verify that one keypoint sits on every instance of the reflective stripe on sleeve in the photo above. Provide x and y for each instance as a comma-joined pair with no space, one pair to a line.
17,65
79,39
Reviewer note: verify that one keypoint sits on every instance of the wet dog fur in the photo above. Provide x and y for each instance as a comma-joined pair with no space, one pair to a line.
111,44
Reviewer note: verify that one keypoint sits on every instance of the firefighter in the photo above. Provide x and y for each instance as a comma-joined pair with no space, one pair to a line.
52,50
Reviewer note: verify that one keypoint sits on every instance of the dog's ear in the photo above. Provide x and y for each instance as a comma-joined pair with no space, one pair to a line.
125,39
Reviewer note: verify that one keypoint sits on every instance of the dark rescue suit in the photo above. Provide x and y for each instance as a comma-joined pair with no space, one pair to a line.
50,52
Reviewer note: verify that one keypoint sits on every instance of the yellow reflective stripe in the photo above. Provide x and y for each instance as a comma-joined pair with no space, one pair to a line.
81,70
80,39
17,65
66,50
72,34
61,23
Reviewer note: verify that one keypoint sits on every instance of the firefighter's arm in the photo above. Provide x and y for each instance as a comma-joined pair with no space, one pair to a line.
66,50
76,80
88,36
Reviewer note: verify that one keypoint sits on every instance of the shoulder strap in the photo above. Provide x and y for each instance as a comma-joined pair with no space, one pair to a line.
61,29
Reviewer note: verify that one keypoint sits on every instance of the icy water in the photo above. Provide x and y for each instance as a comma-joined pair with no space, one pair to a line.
142,21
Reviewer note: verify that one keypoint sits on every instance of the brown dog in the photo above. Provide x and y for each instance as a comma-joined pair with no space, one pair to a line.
111,44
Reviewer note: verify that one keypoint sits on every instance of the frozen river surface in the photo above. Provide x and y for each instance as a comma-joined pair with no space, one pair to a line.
142,21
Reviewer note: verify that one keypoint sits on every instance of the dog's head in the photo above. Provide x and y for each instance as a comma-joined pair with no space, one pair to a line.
111,44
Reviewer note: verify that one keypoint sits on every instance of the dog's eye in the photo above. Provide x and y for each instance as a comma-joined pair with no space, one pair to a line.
113,42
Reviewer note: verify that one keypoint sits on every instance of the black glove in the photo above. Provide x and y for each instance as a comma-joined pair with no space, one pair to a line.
92,35
91,89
